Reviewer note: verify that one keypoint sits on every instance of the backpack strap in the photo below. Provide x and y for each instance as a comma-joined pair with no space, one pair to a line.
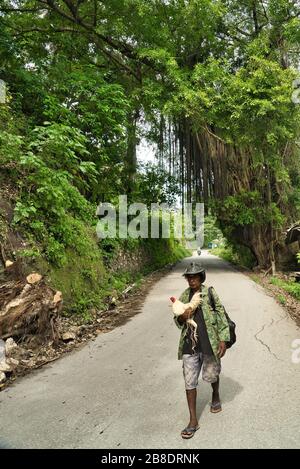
211,298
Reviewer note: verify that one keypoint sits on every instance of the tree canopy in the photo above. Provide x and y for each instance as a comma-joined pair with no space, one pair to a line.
210,82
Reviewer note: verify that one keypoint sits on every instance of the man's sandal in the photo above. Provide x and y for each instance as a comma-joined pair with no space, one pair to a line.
189,432
215,408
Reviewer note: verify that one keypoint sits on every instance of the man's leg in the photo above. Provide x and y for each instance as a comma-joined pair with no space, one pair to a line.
215,393
210,373
215,401
191,370
191,395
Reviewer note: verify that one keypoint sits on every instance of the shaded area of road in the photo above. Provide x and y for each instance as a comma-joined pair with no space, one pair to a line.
126,390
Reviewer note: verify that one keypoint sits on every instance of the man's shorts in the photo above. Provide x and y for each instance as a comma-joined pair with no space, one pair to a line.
192,365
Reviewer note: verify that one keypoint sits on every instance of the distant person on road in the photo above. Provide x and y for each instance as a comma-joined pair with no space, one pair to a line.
213,332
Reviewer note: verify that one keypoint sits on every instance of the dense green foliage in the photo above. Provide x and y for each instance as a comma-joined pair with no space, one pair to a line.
211,231
208,82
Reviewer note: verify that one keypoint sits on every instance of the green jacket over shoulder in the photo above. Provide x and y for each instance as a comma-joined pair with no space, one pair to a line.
215,321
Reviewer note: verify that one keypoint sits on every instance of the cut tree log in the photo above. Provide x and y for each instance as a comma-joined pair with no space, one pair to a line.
33,278
29,307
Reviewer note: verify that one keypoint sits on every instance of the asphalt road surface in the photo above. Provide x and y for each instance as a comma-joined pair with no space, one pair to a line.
126,390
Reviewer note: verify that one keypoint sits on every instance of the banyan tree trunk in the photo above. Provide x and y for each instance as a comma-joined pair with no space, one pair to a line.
257,239
217,169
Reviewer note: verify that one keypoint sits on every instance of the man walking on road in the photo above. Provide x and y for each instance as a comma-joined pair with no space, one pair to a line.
212,335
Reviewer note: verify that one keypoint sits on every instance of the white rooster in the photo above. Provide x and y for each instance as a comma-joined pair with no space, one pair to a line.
179,308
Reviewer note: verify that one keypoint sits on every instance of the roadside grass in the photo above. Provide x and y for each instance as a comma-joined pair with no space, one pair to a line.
281,299
291,287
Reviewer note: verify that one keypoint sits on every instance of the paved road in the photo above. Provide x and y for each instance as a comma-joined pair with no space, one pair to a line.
125,389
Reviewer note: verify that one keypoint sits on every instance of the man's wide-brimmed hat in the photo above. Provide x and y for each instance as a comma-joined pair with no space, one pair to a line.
194,268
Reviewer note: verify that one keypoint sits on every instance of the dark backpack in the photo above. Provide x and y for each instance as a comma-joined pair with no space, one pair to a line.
231,324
